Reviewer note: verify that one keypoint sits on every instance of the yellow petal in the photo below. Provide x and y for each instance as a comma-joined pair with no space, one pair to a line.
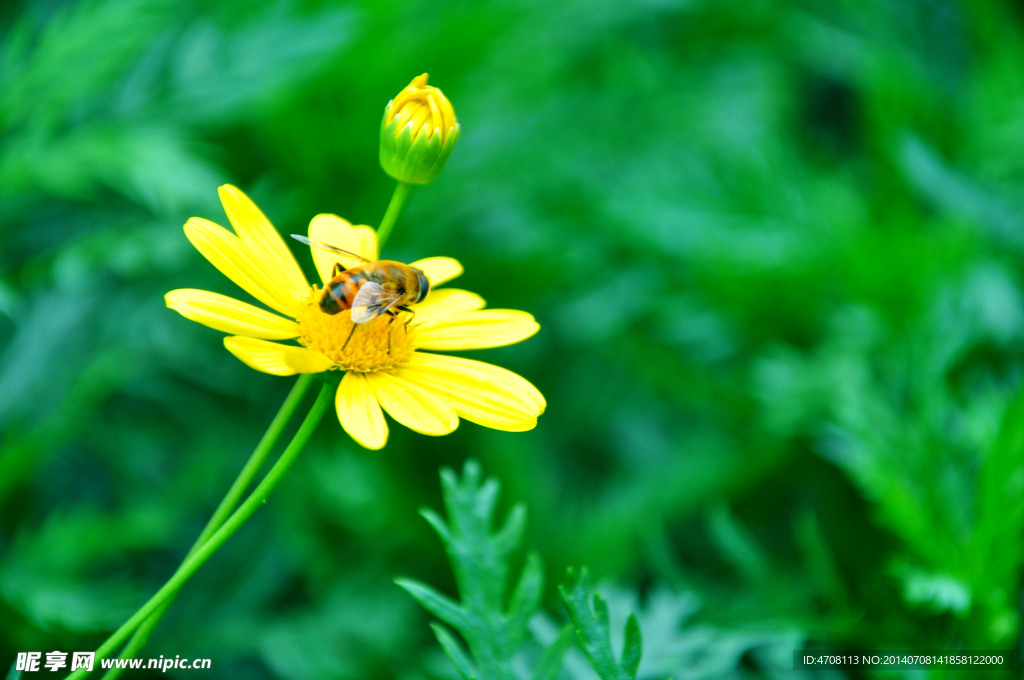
263,241
488,403
226,252
515,389
439,269
476,330
413,406
271,357
337,232
230,315
446,301
360,413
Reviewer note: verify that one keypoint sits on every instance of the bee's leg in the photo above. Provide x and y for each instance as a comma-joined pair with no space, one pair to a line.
392,314
412,313
349,337
336,269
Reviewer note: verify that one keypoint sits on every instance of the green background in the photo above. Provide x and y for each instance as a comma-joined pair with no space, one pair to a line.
775,249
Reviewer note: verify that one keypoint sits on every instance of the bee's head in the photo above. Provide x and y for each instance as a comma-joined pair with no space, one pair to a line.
424,283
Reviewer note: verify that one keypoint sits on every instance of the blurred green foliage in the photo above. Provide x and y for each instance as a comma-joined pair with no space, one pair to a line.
591,619
479,558
775,248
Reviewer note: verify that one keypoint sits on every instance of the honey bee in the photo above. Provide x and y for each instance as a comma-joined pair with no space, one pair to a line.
371,289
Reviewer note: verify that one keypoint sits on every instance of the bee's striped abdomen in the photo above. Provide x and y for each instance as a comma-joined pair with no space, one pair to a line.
341,290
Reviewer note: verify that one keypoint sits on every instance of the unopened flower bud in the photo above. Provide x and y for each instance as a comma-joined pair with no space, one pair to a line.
418,133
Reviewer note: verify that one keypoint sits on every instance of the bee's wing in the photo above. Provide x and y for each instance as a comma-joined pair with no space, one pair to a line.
371,301
328,247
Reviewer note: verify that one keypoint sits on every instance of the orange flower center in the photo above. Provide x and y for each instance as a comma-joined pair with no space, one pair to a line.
376,345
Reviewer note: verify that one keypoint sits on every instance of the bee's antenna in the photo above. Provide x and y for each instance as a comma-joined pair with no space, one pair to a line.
328,247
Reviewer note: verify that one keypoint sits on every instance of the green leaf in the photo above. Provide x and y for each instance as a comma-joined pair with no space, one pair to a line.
589,613
996,553
510,536
13,674
437,523
526,596
454,651
632,648
551,661
434,602
478,556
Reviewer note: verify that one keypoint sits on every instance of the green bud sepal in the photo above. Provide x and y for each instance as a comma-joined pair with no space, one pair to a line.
417,159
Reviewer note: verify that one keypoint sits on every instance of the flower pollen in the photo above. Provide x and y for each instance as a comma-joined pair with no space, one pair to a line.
377,345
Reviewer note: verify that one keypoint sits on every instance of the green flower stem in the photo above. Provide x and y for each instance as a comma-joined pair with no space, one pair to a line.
227,505
323,403
394,208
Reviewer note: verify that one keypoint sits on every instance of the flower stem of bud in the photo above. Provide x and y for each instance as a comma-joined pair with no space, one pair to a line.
394,208
226,507
323,403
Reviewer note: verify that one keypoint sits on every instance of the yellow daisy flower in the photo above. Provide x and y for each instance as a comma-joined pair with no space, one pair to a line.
384,364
